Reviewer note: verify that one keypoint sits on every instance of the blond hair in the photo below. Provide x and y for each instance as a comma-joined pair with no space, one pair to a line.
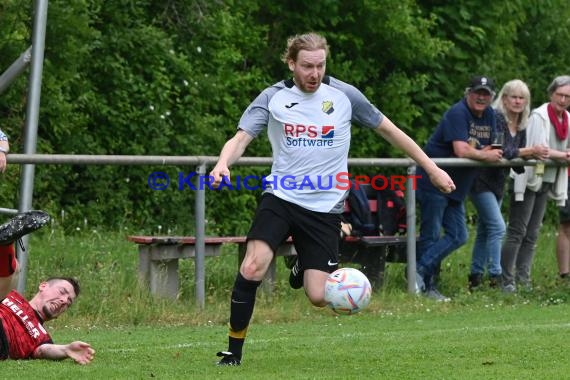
309,41
515,86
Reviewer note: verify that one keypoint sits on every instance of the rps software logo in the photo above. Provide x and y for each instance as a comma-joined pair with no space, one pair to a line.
309,135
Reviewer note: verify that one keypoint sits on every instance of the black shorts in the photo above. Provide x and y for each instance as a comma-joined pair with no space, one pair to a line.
315,234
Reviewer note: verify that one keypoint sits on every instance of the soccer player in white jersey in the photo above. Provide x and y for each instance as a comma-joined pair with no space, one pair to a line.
308,120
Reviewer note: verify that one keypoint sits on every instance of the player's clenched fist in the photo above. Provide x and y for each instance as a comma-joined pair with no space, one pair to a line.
217,175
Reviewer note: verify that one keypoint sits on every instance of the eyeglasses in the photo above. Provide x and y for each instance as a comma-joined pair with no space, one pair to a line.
562,96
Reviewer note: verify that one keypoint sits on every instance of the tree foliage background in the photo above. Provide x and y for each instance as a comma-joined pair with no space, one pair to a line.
172,77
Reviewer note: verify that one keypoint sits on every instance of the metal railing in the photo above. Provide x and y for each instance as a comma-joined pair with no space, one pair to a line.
203,162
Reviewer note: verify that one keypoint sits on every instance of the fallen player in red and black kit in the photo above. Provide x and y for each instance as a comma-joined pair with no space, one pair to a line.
22,334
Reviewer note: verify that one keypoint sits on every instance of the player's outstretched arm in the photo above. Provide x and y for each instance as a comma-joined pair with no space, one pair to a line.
395,136
232,150
80,352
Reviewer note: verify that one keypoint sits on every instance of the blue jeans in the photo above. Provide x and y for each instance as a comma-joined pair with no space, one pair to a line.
490,232
438,212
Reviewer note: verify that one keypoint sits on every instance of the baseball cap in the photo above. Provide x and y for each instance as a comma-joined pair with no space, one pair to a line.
482,83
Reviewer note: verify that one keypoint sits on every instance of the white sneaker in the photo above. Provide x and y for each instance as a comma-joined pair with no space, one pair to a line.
434,294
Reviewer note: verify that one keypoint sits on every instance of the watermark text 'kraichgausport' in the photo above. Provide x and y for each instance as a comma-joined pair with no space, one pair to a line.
342,181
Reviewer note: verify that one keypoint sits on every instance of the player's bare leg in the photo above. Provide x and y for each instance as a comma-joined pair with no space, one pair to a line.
314,283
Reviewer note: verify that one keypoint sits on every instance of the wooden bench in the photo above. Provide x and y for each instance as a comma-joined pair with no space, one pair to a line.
159,257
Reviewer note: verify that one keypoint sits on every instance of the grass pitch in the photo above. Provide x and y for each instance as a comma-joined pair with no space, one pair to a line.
487,335
436,342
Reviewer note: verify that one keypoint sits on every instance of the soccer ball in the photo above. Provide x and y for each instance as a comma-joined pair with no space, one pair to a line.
347,291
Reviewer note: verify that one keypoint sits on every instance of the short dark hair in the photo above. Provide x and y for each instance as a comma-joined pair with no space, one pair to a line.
71,280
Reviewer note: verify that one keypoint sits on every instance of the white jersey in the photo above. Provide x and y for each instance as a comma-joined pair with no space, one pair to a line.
310,139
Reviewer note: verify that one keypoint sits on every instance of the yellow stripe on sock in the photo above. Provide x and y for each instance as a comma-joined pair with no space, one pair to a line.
238,334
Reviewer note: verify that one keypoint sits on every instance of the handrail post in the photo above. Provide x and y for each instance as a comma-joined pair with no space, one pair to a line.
31,130
411,229
200,215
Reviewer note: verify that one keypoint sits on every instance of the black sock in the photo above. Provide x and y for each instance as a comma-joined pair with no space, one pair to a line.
564,275
241,310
